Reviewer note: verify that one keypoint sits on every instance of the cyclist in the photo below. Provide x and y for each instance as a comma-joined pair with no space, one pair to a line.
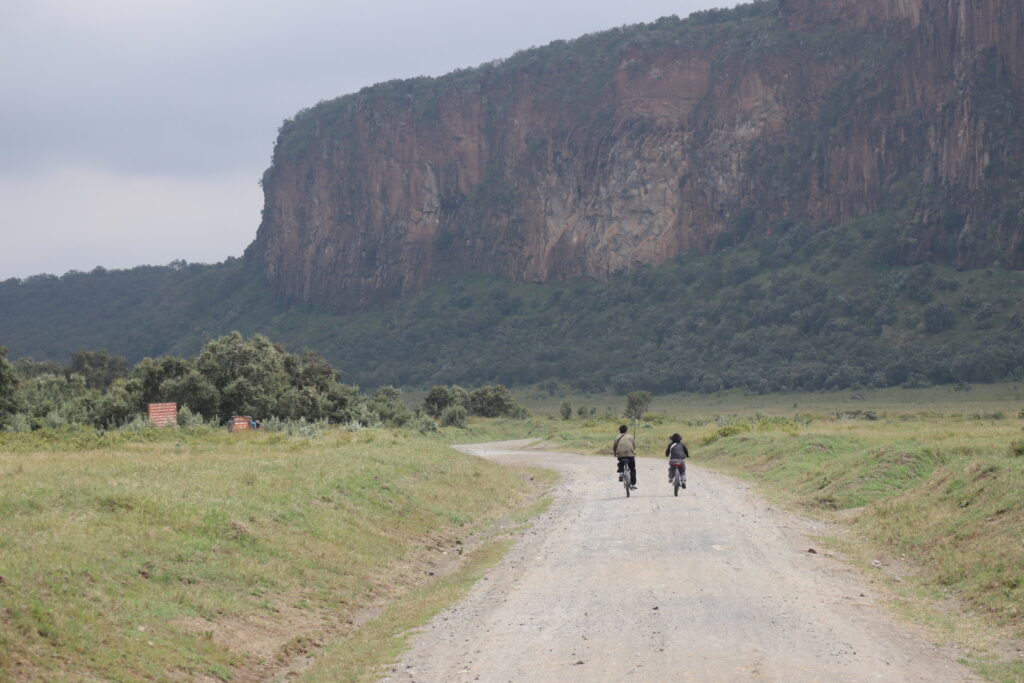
677,452
625,451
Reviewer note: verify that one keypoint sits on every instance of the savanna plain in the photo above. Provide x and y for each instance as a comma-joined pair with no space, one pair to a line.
192,553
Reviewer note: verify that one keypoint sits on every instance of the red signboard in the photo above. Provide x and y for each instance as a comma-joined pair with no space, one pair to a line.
240,422
163,414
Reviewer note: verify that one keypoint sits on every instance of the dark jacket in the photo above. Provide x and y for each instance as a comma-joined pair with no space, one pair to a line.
677,451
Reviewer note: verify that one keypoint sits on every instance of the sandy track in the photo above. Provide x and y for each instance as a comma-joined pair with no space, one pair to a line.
712,586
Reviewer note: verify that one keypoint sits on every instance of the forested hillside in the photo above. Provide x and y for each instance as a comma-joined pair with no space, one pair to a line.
798,310
144,311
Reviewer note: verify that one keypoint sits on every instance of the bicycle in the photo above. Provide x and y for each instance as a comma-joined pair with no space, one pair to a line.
626,477
678,469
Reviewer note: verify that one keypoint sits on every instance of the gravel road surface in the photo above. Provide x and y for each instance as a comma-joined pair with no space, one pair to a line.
715,585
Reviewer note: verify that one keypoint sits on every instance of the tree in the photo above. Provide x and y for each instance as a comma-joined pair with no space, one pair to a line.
437,399
566,409
637,403
250,375
8,384
493,401
98,368
117,406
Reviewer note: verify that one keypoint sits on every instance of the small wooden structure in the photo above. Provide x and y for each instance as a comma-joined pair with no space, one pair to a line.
163,414
240,423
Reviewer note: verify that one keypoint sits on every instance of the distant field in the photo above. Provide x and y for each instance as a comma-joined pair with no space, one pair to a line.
988,398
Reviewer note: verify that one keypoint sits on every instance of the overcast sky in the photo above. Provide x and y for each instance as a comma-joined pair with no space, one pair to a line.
134,131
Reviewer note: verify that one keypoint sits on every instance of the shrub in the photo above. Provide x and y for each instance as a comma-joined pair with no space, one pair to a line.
137,423
18,423
389,408
1017,448
566,409
454,416
186,418
423,424
727,431
300,427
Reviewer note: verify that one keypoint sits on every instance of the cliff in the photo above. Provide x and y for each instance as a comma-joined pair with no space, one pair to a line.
631,146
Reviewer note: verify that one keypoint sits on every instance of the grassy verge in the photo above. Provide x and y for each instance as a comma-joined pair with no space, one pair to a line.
166,554
365,655
934,503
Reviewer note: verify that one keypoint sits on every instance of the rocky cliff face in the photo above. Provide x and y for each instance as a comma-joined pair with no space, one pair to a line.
631,146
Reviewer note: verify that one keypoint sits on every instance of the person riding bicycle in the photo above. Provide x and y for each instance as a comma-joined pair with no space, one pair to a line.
625,451
677,452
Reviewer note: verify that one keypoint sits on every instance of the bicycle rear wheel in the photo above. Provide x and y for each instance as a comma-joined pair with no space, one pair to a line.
627,477
675,481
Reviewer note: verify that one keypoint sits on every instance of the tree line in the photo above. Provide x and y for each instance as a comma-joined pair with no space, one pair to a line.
230,376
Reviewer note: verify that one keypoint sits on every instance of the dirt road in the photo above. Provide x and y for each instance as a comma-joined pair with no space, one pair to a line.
714,585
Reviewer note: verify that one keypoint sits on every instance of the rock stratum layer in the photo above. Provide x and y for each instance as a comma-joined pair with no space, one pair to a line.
633,145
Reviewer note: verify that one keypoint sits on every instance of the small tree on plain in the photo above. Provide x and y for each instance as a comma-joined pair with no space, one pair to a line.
566,409
637,403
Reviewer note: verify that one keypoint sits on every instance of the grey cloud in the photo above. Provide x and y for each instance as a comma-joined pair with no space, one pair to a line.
191,88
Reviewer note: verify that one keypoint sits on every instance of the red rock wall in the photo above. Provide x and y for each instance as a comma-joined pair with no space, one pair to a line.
571,165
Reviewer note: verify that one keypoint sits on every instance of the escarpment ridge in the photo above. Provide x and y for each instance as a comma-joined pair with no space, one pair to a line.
630,146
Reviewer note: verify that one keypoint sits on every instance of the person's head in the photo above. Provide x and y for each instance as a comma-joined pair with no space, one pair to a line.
676,438
623,429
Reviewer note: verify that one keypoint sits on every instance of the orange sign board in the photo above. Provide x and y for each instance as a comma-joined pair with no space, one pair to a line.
239,423
163,414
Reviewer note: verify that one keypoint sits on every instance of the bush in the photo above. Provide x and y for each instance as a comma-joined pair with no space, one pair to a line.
389,408
423,424
18,423
300,427
454,416
1017,448
186,418
138,423
566,409
727,431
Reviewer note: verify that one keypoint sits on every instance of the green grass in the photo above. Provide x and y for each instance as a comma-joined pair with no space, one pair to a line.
156,554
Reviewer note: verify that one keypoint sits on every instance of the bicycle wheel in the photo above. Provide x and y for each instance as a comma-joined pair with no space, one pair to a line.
675,481
627,477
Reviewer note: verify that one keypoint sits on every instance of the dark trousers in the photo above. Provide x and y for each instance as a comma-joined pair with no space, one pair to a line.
632,468
683,472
